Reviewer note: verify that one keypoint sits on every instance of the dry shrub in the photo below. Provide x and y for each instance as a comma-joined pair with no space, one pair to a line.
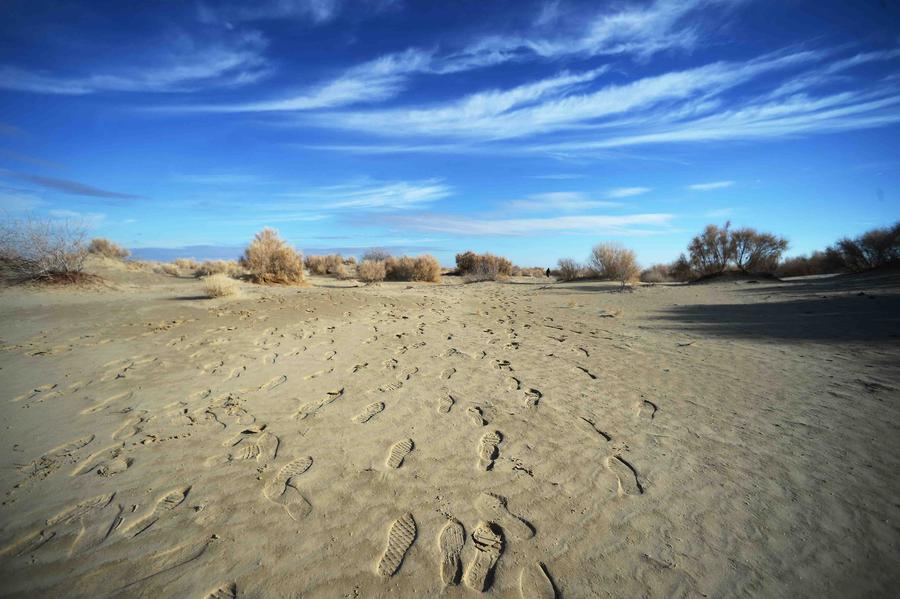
371,271
214,267
269,259
108,249
340,271
718,248
658,273
872,249
315,265
350,261
483,267
219,285
568,269
186,263
534,271
168,268
405,268
34,249
615,262
325,265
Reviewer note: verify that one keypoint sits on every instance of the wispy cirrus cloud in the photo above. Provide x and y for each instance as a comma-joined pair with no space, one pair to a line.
633,224
67,186
186,64
373,195
712,185
560,201
627,192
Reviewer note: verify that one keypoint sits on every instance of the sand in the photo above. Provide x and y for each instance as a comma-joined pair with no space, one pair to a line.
418,440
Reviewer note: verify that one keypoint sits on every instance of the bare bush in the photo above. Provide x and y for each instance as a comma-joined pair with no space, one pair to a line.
186,263
377,255
534,271
269,259
481,265
615,262
219,285
324,265
405,268
658,273
35,249
568,269
350,261
872,249
756,252
167,268
371,271
106,248
712,250
214,267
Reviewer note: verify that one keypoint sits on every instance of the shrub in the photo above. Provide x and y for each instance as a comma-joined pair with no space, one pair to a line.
872,249
269,259
33,249
568,269
658,273
376,255
680,270
219,285
186,263
718,248
422,268
371,271
106,248
817,263
214,267
315,265
350,261
168,268
481,265
615,262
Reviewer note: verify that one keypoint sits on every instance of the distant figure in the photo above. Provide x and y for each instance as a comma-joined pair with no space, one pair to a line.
548,273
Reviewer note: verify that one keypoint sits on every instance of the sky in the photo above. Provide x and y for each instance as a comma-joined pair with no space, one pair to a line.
531,129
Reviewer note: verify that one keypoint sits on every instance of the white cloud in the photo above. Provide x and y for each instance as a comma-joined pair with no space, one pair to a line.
184,65
378,196
711,185
565,201
627,192
634,224
87,219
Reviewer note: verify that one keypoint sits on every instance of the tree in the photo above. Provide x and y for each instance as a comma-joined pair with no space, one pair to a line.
757,252
615,262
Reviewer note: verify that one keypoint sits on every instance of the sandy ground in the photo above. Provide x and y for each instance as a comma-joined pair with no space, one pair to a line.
392,440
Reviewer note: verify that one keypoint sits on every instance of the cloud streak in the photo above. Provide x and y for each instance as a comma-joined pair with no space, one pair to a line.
632,224
712,185
68,187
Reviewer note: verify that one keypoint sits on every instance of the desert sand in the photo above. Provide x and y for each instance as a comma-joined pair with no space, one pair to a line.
525,438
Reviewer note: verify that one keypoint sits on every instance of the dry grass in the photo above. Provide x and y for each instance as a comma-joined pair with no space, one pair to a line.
615,262
167,268
214,267
658,273
325,265
186,263
269,259
108,249
219,285
483,267
371,271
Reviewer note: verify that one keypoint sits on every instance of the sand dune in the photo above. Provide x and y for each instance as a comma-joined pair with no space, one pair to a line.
521,439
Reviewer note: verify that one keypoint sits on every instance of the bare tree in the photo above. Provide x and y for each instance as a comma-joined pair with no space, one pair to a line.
757,252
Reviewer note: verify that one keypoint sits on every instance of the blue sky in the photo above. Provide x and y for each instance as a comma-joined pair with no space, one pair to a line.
530,129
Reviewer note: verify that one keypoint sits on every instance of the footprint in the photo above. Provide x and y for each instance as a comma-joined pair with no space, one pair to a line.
488,540
226,591
446,374
494,507
445,404
648,409
276,382
164,504
388,387
587,372
532,397
99,460
450,544
369,412
278,485
488,450
400,539
513,384
627,475
268,447
131,427
408,373
398,453
309,409
476,416
535,584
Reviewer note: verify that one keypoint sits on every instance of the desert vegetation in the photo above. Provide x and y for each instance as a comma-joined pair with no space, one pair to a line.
567,269
42,250
614,262
718,249
376,255
214,267
270,260
405,268
371,271
482,267
219,285
106,248
325,265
